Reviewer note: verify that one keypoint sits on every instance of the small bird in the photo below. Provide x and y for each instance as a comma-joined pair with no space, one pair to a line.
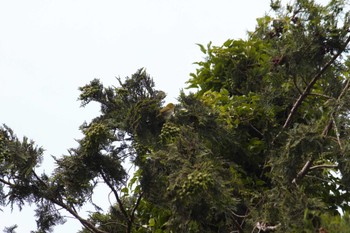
167,111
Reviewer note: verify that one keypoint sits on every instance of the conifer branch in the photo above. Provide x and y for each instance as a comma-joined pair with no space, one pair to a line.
308,88
325,132
83,221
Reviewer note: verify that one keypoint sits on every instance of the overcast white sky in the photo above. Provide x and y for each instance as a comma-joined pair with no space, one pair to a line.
49,48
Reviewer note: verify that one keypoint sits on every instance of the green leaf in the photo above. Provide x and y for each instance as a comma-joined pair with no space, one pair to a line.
228,43
202,48
125,190
151,222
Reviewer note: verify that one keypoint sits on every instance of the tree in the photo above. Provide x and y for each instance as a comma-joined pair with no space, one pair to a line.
261,146
284,91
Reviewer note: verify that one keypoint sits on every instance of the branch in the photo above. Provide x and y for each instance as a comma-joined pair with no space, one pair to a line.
325,131
321,95
263,227
295,84
337,133
308,163
6,182
256,130
303,171
239,216
307,90
69,209
344,89
60,203
323,166
120,203
83,221
236,223
132,216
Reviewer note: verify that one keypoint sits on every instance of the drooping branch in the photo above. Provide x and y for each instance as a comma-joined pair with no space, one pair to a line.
60,203
83,221
69,209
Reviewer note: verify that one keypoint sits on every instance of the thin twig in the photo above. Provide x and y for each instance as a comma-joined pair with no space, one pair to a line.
239,216
322,95
296,85
256,130
236,223
323,166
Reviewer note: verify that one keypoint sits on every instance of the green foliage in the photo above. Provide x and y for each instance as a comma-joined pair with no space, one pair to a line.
282,94
261,146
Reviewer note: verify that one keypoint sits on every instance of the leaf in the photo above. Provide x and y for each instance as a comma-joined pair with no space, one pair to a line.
125,190
228,43
151,222
202,48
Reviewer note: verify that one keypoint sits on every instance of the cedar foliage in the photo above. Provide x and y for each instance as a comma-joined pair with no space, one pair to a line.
260,146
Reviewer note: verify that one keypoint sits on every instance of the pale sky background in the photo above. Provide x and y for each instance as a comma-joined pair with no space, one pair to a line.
49,48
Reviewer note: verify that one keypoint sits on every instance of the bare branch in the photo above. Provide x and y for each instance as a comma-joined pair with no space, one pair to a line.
303,171
239,216
327,129
264,227
323,166
256,130
322,95
344,89
337,133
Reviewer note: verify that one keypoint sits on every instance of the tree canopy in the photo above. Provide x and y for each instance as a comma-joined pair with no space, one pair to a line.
261,145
